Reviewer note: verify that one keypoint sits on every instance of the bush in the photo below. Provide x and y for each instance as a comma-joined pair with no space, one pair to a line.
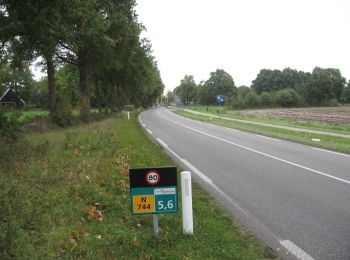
237,103
64,114
10,127
251,99
265,99
287,98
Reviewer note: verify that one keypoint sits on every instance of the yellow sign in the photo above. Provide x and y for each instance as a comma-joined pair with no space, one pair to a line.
143,203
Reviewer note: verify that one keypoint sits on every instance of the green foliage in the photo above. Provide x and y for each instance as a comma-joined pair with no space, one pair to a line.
242,91
10,126
346,94
69,199
219,83
266,99
324,85
251,99
287,98
64,114
186,90
274,80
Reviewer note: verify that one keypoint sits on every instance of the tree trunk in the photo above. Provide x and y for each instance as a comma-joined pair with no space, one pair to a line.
52,84
98,95
84,92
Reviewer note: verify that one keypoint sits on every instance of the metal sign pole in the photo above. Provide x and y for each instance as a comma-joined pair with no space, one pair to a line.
155,226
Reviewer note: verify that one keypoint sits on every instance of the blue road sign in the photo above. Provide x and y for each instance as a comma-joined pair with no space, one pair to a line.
220,98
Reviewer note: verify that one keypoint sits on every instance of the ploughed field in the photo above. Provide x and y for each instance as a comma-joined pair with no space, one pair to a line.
325,115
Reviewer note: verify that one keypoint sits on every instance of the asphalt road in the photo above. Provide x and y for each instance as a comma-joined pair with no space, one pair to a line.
294,197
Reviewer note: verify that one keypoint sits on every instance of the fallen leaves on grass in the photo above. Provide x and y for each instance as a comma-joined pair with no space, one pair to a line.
122,186
122,161
94,214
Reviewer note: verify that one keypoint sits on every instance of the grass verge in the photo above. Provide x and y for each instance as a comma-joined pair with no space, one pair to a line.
337,128
65,194
339,144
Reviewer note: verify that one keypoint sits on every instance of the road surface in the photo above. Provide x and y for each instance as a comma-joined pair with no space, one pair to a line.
294,197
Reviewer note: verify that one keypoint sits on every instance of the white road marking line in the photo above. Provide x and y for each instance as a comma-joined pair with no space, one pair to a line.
258,152
149,131
198,172
323,150
167,147
143,125
162,143
216,188
295,250
270,138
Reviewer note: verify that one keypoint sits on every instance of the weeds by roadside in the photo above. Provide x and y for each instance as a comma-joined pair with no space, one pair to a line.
65,194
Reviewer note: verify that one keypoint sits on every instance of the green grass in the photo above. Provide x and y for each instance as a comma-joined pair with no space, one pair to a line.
338,128
65,194
25,115
327,142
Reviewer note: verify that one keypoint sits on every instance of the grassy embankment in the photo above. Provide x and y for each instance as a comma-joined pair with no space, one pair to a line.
65,194
337,128
339,144
28,114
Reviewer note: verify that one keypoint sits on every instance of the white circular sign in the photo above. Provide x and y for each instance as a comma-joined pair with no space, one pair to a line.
152,177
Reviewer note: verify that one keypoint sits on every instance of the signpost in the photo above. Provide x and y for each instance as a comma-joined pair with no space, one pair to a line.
153,191
220,99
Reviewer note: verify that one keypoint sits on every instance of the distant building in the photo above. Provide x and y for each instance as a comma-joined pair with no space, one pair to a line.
11,99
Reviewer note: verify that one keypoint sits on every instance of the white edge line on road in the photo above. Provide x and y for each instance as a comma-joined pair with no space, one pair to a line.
270,138
162,143
149,131
198,172
143,125
208,181
258,152
295,250
323,150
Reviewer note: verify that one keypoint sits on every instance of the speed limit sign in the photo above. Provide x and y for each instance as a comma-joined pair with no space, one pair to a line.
153,190
152,177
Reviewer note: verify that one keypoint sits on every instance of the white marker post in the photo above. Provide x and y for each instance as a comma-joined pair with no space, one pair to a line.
186,194
128,115
155,227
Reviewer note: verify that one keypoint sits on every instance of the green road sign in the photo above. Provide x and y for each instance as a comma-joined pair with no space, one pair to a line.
153,190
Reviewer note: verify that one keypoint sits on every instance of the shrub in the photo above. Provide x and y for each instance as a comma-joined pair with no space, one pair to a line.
251,99
265,99
287,98
237,103
64,114
10,127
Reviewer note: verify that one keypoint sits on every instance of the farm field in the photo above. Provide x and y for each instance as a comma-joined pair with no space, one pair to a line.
325,141
329,119
324,115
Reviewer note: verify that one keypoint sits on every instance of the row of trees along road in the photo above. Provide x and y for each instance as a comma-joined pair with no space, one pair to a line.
97,42
286,88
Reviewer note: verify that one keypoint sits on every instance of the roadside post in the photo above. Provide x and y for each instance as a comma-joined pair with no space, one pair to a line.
220,99
186,199
128,115
153,191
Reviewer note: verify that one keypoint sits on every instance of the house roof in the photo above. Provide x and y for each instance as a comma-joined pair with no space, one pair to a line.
7,92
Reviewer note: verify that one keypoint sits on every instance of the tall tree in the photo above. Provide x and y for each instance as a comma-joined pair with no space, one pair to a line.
219,83
34,29
186,90
324,85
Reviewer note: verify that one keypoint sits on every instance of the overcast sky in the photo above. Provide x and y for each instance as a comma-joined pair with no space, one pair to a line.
196,37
